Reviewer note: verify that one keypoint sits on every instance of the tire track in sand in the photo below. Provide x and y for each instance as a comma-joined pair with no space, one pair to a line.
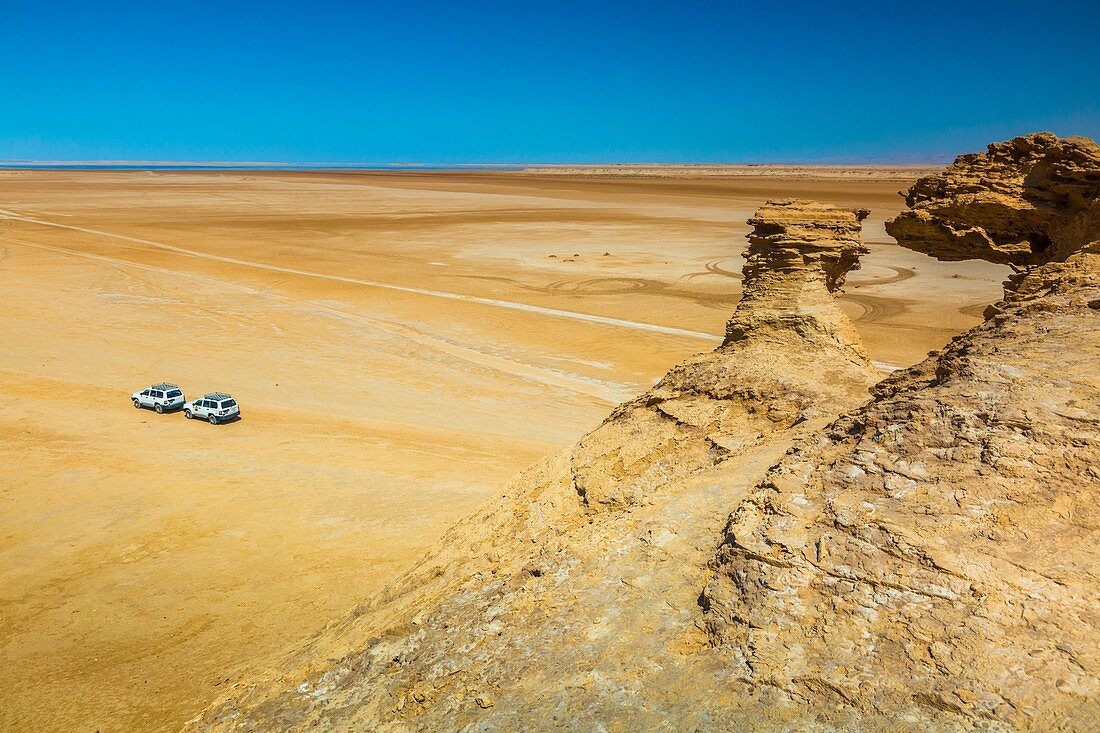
901,274
609,392
494,302
875,308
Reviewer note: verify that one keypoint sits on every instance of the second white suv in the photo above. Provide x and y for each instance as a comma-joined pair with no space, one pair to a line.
161,397
215,407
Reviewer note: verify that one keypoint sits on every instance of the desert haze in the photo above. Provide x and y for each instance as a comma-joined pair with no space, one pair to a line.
401,344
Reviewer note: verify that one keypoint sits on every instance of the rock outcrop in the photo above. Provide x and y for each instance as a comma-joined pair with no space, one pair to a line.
1027,201
790,355
939,549
925,560
799,254
572,600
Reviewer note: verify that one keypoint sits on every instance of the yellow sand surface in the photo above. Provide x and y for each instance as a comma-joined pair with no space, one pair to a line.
400,343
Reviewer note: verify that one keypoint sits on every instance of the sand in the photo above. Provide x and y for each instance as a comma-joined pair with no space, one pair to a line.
400,343
878,173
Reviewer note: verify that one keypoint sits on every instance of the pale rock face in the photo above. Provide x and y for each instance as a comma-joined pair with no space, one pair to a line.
1029,200
572,600
938,549
923,561
790,354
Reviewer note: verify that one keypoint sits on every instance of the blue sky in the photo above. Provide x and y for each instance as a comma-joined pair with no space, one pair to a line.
448,82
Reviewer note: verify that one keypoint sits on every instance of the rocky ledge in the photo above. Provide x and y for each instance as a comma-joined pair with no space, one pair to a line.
923,559
583,579
1026,201
937,550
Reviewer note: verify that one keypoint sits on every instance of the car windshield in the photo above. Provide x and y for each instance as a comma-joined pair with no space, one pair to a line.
175,393
229,403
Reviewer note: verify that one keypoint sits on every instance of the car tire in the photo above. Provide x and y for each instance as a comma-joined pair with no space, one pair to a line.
136,404
187,414
159,409
213,420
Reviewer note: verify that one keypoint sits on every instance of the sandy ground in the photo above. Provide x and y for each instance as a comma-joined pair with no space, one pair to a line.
880,173
400,344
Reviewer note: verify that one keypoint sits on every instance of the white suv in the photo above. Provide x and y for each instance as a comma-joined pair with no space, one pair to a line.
216,407
161,397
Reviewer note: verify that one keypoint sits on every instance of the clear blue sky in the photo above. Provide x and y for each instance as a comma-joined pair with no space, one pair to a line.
448,82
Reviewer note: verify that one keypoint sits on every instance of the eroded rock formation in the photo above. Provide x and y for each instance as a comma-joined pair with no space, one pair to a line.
938,550
790,355
1027,201
926,560
581,583
799,254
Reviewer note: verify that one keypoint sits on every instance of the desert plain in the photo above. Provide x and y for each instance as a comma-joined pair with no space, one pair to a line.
400,342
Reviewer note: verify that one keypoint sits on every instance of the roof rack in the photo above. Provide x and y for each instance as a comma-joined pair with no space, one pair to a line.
165,385
217,396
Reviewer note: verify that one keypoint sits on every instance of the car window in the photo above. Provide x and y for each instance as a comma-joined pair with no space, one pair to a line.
207,403
175,393
157,393
145,393
229,403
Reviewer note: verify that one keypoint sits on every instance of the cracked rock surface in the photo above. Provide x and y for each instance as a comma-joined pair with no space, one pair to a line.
923,558
937,550
1026,201
572,600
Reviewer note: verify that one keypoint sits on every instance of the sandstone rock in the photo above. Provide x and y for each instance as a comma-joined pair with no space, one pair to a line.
922,561
790,355
937,550
799,255
574,597
1027,201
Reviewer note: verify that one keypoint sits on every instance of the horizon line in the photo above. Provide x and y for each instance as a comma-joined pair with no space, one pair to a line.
12,162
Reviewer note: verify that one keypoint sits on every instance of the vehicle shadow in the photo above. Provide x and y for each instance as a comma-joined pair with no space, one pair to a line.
230,421
166,411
